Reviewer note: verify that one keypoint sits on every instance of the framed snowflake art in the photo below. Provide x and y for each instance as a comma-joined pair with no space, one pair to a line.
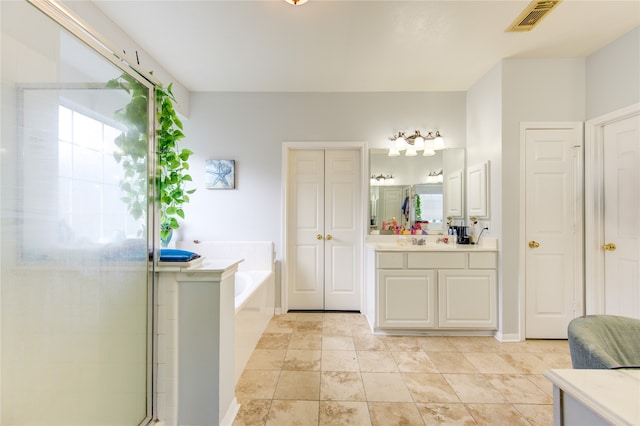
220,174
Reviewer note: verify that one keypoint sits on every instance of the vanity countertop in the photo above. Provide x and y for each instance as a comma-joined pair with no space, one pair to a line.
404,243
200,265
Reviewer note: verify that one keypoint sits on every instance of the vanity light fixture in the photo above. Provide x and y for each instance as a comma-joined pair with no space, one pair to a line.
435,177
428,144
296,2
381,179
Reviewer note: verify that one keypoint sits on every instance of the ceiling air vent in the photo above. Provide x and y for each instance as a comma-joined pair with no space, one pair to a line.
532,15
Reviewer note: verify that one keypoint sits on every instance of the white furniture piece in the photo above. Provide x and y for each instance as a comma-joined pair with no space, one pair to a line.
205,340
255,310
431,287
595,397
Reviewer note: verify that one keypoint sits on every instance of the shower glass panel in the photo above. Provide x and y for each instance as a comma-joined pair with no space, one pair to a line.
75,280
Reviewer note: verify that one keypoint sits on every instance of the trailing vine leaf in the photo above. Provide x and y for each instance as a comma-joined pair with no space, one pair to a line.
172,162
131,145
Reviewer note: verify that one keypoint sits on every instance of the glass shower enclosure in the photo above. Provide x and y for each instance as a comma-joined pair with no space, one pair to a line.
76,281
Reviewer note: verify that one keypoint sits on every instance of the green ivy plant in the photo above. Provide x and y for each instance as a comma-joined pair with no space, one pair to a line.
418,208
173,162
173,165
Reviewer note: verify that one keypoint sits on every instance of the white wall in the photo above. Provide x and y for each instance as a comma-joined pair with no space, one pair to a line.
484,143
516,90
533,90
251,127
125,46
613,75
406,170
574,89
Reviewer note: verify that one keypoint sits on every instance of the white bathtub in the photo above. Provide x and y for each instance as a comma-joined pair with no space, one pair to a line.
254,289
254,302
246,284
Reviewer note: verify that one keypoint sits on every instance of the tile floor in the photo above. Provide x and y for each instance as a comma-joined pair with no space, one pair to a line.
329,369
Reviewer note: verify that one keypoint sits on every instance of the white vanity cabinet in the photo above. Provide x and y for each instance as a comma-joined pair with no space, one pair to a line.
436,290
467,299
406,299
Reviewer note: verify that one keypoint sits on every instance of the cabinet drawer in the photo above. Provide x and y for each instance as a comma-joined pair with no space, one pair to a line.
485,260
436,260
390,260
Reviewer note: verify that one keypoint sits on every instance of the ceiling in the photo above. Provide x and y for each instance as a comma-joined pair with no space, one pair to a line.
355,45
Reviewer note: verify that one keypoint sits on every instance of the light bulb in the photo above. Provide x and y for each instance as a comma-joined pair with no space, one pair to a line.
418,143
400,143
411,151
393,152
428,151
428,148
438,142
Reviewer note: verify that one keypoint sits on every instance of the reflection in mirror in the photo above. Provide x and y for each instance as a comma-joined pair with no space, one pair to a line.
413,195
429,206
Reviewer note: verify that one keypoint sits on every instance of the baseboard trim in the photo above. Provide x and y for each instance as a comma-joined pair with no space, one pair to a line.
231,413
508,337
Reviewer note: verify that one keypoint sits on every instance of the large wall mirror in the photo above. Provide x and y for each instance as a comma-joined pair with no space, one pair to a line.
419,192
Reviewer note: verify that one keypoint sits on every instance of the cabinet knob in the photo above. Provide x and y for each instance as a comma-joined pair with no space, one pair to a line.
534,244
329,237
609,247
318,237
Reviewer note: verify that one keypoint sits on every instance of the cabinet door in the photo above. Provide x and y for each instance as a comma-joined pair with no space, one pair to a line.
467,299
406,299
478,190
453,190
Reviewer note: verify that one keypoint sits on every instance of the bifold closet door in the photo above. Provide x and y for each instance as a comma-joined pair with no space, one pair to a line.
324,261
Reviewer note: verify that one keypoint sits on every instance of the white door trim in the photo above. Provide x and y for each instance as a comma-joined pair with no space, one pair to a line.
594,206
364,184
524,126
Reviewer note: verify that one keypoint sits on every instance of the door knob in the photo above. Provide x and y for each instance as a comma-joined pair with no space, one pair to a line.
318,237
534,244
609,247
329,237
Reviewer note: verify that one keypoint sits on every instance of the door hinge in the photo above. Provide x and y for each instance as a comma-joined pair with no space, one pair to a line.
575,149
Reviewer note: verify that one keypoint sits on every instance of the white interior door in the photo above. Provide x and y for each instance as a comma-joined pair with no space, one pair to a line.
343,224
392,204
622,217
324,254
553,259
306,256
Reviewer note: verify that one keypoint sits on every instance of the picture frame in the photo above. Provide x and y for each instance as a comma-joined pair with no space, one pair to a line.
220,174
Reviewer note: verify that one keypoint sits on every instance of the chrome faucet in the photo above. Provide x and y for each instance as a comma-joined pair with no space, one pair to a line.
417,242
